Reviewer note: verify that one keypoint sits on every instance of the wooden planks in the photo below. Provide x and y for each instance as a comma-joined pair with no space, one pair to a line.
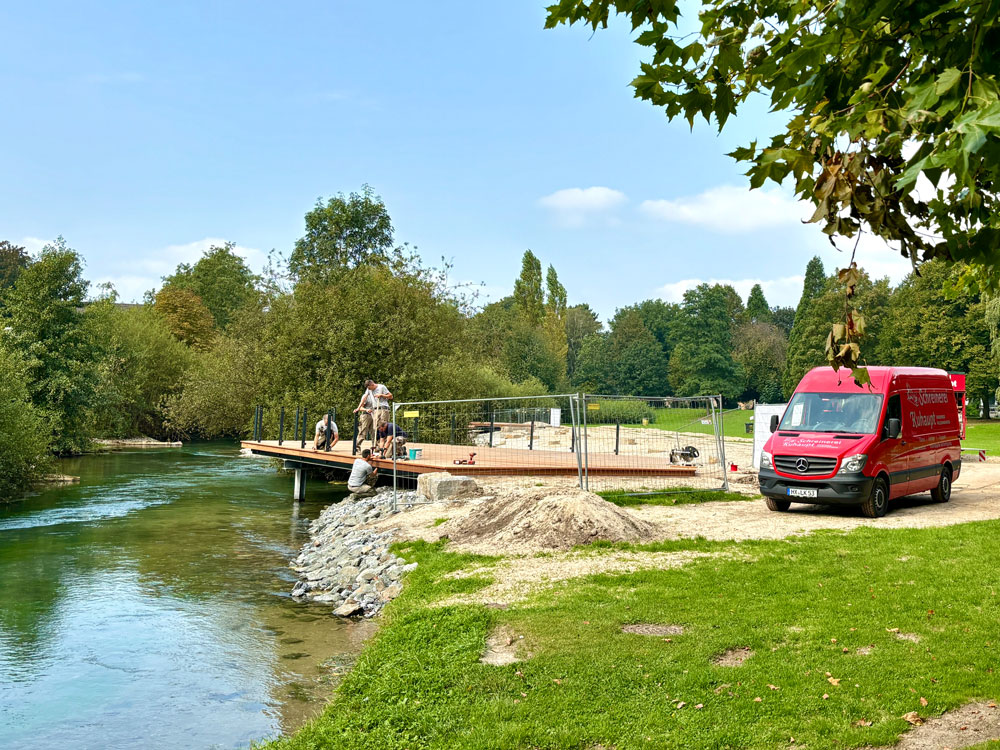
498,461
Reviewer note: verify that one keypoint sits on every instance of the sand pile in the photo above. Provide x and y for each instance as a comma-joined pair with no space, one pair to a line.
521,521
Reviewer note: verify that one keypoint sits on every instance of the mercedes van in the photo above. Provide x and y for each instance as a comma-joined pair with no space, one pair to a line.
841,444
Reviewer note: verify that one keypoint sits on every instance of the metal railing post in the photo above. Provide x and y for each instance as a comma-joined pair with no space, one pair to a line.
416,429
492,422
618,432
531,436
354,445
720,431
305,421
329,428
585,448
281,426
452,441
574,415
298,409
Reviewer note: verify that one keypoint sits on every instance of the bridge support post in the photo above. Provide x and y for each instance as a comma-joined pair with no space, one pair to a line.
299,493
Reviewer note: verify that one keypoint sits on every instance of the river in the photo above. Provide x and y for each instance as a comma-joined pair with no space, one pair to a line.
147,606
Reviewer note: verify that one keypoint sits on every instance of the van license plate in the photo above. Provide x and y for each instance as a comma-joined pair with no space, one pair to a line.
802,492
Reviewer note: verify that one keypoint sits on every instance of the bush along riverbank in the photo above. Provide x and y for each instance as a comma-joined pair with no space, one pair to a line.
348,566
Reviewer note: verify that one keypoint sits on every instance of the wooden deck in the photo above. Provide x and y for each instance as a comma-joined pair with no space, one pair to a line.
489,461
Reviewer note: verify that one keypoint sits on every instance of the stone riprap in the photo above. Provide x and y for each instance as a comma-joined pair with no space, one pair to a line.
347,564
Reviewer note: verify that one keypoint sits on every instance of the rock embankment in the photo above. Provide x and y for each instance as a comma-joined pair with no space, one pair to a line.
346,563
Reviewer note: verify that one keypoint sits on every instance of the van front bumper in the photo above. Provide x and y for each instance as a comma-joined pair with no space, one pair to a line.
842,489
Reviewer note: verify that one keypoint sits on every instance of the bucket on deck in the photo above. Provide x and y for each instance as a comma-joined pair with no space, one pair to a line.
416,453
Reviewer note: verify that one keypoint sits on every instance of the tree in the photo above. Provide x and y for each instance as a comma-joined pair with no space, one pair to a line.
529,297
13,260
925,327
877,95
757,309
701,362
580,322
760,350
555,301
659,317
805,349
813,285
140,364
593,364
638,366
221,279
24,431
784,318
48,333
345,232
186,315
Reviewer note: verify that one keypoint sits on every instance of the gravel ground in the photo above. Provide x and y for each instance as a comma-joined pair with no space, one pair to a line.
976,497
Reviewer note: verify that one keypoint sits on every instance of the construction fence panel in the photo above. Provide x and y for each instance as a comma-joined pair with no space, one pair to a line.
639,444
500,442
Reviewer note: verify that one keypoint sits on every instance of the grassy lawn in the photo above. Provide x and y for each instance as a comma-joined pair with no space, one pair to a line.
983,433
676,497
804,606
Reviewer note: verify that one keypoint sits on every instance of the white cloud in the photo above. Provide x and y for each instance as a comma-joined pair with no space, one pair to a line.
33,245
727,208
575,207
781,291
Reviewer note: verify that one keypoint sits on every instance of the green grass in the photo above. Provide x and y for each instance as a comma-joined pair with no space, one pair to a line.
983,433
675,497
797,603
439,521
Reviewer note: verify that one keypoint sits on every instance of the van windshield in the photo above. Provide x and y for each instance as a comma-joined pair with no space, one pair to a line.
854,413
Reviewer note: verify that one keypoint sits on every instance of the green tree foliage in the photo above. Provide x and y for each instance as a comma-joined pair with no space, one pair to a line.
347,231
509,343
925,327
140,364
760,350
812,324
187,316
13,260
555,300
877,95
813,285
221,279
580,323
529,295
702,361
628,360
659,317
757,308
784,318
48,332
24,430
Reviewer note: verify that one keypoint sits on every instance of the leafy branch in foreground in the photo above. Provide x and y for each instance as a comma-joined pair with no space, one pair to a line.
879,93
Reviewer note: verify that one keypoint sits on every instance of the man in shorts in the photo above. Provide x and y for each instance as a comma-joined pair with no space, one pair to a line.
373,410
324,428
363,476
389,437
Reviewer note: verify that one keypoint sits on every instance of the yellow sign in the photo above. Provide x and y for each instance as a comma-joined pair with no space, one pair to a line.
411,414
593,407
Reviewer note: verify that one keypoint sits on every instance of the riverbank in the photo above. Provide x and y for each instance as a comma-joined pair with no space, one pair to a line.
138,442
853,638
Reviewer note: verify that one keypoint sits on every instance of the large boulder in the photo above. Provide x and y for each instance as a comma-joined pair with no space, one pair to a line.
442,486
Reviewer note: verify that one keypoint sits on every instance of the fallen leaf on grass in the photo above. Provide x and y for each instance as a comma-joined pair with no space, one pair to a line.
833,640
774,687
719,689
892,630
826,696
923,701
991,705
914,718
681,704
557,681
833,680
699,705
757,700
862,723
524,695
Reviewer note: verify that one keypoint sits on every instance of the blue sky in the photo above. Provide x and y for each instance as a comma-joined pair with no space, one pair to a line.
144,132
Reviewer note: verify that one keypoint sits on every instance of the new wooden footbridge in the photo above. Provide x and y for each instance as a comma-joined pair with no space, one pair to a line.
529,457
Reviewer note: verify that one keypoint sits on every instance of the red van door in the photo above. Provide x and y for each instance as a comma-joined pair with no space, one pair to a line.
892,451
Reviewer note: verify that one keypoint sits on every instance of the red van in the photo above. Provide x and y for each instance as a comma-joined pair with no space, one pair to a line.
840,444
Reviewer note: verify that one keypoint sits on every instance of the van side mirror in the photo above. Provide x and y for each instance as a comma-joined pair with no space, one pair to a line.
774,422
895,427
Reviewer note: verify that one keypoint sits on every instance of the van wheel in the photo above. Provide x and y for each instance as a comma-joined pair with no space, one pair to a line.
779,506
878,502
942,493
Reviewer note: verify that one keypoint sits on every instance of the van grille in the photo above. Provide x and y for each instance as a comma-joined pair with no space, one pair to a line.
816,465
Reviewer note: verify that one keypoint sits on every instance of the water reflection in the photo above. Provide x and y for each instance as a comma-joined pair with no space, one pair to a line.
147,606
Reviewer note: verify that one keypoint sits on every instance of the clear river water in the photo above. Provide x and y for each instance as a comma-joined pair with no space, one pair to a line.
147,606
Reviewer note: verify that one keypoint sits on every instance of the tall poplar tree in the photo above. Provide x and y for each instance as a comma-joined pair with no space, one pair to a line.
812,287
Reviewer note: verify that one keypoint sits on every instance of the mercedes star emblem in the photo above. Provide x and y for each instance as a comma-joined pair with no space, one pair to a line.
802,465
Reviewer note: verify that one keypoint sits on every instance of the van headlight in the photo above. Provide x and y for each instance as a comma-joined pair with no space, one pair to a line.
853,464
765,460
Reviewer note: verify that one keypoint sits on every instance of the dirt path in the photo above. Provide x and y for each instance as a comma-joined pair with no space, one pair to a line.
976,497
